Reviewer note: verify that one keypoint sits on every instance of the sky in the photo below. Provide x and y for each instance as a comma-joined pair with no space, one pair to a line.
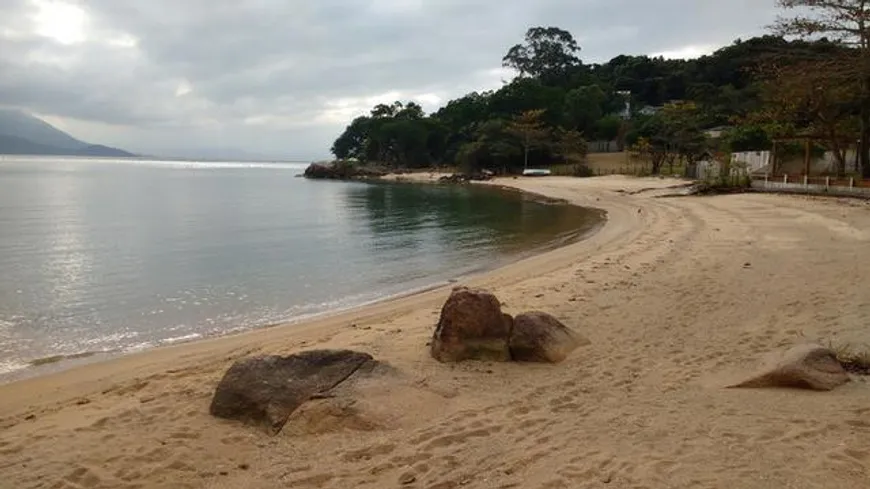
281,78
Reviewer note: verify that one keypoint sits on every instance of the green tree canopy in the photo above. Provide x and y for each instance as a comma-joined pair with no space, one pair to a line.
548,53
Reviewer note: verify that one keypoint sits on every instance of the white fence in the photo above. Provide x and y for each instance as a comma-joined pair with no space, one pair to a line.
818,185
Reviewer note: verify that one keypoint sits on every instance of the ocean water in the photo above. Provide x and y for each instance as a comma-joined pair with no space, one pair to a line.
105,256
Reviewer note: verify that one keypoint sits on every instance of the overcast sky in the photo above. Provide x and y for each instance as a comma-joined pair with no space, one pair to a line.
281,78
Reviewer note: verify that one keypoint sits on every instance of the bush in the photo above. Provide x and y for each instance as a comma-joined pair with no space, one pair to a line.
582,171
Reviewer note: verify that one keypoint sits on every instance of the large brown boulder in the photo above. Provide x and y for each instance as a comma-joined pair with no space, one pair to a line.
264,391
472,327
540,337
804,367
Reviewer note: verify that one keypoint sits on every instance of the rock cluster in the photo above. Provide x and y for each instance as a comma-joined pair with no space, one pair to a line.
481,176
472,326
341,170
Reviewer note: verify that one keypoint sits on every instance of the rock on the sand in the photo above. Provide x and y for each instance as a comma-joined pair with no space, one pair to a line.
540,337
805,367
472,327
264,391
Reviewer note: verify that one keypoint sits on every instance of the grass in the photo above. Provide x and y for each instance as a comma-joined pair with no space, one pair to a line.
602,164
616,164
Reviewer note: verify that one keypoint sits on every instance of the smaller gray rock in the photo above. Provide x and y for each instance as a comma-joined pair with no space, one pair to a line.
803,367
540,337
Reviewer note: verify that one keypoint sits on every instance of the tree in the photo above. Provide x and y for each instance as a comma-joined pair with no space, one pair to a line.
674,133
811,98
351,143
549,54
573,148
608,128
644,150
748,137
583,107
686,138
846,22
530,131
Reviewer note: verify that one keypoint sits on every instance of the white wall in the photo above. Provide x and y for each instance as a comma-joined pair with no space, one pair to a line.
759,162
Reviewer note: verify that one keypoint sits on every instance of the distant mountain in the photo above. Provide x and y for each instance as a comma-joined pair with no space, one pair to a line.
13,145
24,134
100,150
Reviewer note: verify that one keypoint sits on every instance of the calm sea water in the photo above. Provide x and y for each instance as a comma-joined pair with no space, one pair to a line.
114,256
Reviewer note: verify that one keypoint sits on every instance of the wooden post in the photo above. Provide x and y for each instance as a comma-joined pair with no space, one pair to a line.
807,158
785,178
852,182
806,181
772,163
827,183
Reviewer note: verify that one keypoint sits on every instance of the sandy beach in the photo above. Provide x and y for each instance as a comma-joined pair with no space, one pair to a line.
678,296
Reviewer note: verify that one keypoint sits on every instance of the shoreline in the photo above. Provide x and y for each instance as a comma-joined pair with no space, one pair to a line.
58,363
662,291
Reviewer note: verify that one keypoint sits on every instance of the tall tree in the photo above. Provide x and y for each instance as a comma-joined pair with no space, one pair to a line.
530,131
548,54
846,22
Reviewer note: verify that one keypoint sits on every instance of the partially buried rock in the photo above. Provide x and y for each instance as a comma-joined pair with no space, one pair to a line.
472,327
540,337
804,367
264,391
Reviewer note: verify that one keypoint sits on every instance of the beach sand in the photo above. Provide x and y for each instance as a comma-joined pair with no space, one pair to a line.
677,295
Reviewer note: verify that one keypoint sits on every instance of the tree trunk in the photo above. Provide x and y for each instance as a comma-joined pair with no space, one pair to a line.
839,156
864,143
526,160
657,161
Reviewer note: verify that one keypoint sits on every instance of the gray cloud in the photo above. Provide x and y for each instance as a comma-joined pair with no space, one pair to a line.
282,77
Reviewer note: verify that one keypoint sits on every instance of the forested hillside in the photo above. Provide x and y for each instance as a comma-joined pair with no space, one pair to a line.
755,90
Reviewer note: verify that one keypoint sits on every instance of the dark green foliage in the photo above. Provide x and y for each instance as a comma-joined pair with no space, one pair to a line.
475,131
748,138
549,54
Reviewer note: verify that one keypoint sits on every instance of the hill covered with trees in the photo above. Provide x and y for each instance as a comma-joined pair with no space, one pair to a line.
794,83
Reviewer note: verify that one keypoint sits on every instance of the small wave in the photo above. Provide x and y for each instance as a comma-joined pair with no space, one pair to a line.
147,345
136,347
113,338
9,366
181,339
8,323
